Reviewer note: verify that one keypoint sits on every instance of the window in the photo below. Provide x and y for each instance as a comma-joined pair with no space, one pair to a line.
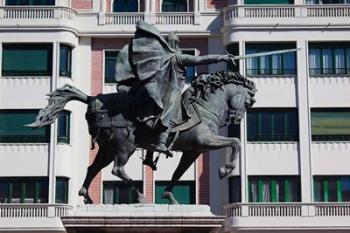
12,129
274,189
65,60
190,72
125,6
29,2
184,192
234,184
63,127
277,64
174,6
118,192
110,65
330,124
272,125
268,1
23,190
27,60
234,50
62,190
329,59
332,188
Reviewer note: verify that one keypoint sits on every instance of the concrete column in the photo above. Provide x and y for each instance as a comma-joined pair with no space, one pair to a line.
53,127
102,13
197,13
147,5
304,122
242,154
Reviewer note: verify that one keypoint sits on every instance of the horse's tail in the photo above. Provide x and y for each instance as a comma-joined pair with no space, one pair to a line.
57,100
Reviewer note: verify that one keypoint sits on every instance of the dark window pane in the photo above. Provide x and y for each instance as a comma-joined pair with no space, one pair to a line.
318,190
268,1
265,124
110,66
108,194
29,2
17,191
61,190
125,6
4,192
65,60
332,189
174,6
235,189
252,125
345,186
12,127
118,192
63,127
27,60
29,192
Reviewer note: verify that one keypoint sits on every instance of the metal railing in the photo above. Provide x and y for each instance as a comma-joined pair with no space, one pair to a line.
33,210
237,210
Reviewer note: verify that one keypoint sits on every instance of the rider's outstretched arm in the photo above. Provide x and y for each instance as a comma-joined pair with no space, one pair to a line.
207,59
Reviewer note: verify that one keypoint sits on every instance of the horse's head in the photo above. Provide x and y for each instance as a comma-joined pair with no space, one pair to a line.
241,99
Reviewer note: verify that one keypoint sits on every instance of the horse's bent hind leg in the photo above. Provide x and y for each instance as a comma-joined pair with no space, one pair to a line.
120,159
213,142
101,160
187,159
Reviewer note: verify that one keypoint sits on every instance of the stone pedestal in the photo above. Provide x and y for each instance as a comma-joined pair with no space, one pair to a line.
142,218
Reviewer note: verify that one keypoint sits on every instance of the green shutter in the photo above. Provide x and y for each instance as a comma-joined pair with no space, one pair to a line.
12,127
339,190
260,191
286,190
325,190
183,192
27,60
273,191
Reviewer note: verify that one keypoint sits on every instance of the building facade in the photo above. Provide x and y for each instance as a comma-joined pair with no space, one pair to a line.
293,171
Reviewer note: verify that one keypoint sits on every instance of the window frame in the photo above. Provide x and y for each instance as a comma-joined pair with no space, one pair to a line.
332,46
69,63
46,73
39,183
114,82
328,138
260,137
37,139
111,3
66,182
324,181
272,181
54,3
270,71
66,138
116,185
162,183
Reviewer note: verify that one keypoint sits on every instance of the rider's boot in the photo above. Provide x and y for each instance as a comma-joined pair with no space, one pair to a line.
161,143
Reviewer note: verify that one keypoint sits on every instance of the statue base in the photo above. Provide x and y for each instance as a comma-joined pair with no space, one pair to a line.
143,218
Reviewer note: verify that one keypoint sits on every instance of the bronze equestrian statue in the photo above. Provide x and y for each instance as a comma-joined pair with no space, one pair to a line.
149,112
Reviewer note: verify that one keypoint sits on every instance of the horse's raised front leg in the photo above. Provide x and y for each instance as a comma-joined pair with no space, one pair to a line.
213,142
187,159
121,157
102,159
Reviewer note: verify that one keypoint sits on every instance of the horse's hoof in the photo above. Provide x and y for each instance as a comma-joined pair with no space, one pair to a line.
150,164
170,197
141,200
82,192
223,173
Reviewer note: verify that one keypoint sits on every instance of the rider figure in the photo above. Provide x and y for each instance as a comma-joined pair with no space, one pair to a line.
160,66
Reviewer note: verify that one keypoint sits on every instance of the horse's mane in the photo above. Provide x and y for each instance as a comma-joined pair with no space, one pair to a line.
207,83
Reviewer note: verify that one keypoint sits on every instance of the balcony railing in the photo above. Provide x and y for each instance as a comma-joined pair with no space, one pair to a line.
290,11
238,210
37,12
175,18
33,210
123,18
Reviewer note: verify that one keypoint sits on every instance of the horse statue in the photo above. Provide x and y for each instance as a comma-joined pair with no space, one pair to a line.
216,100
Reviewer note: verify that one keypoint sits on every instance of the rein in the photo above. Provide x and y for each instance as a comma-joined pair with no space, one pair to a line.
202,104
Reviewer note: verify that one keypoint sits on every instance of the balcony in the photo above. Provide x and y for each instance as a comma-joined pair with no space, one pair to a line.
36,15
287,15
32,217
298,216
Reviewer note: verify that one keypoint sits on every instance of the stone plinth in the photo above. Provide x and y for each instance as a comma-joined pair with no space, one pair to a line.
142,218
